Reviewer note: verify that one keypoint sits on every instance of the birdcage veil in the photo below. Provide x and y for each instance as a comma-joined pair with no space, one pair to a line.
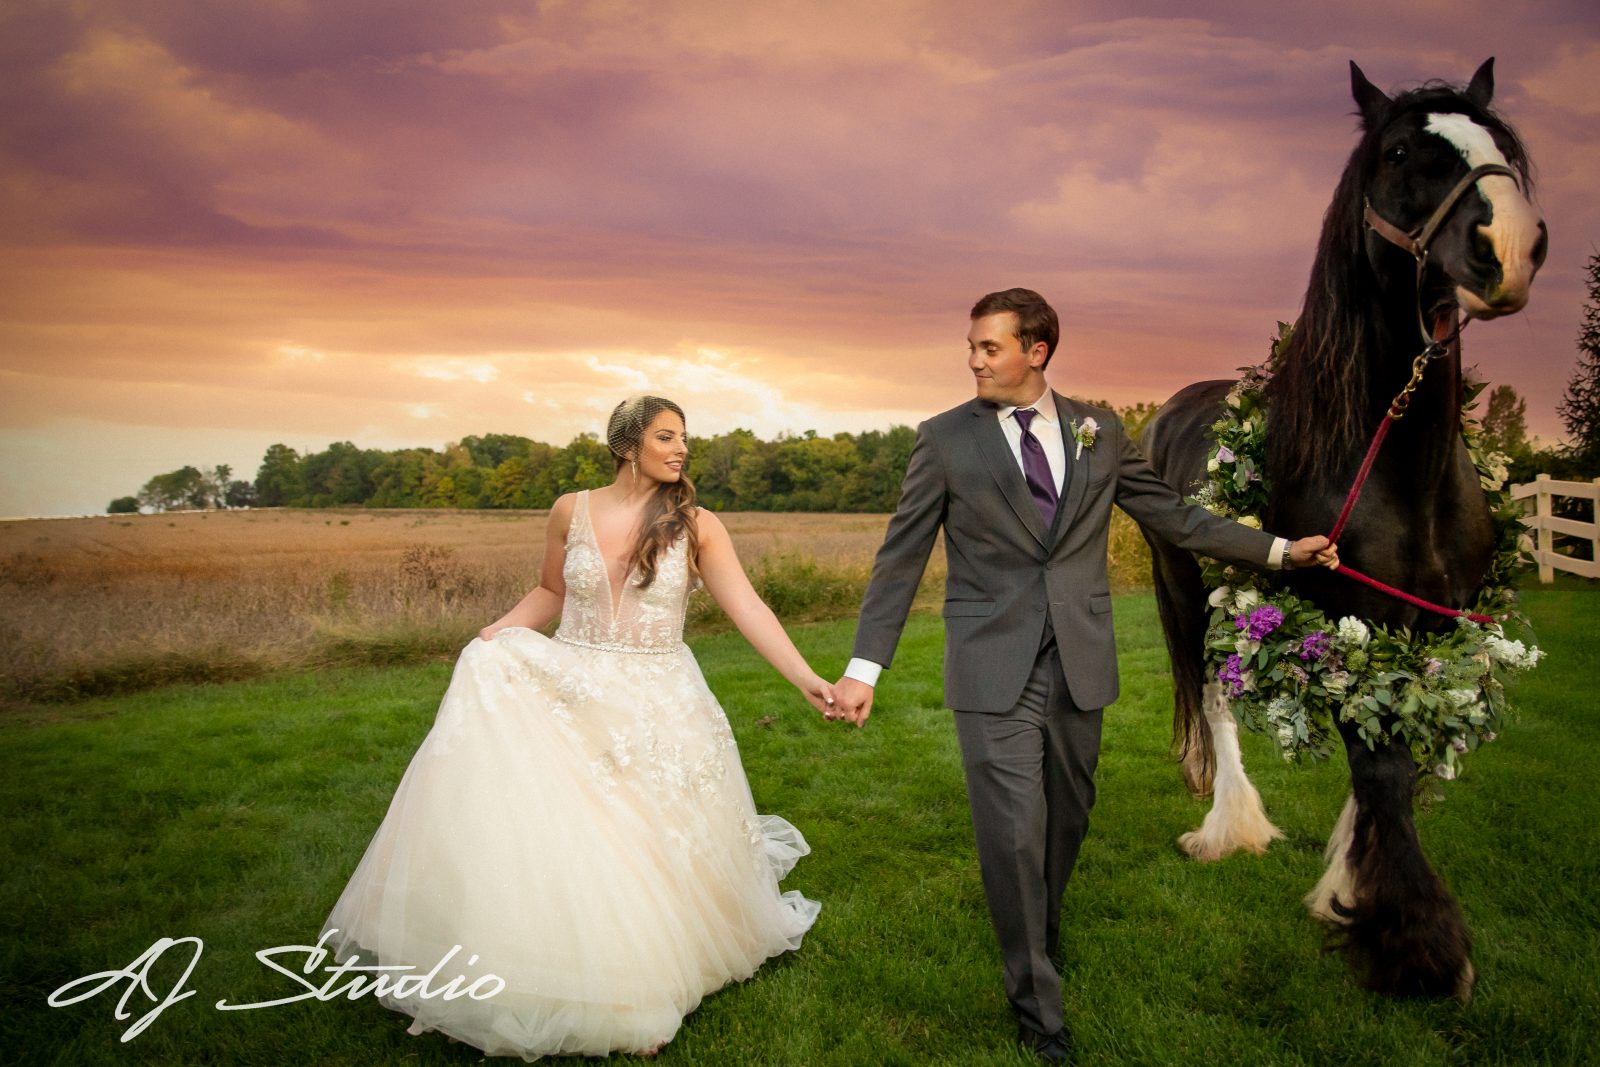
625,431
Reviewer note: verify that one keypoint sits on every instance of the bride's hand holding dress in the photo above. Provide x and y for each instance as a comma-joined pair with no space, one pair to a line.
543,603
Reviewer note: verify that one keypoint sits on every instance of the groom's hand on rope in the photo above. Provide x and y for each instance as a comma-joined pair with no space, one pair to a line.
1315,551
854,701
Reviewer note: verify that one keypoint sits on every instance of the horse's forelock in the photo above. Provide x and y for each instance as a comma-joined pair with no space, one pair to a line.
1439,96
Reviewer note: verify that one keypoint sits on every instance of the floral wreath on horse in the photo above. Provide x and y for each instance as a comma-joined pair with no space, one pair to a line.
1292,672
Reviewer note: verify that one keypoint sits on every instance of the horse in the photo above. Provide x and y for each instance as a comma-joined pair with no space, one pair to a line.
1430,219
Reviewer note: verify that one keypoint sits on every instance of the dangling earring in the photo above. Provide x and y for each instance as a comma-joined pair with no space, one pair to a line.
635,464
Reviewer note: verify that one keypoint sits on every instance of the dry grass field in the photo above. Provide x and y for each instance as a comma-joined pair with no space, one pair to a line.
120,602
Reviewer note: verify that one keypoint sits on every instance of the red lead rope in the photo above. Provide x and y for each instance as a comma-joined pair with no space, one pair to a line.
1397,409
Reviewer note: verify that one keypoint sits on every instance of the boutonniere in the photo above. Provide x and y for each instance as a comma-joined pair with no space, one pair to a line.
1084,434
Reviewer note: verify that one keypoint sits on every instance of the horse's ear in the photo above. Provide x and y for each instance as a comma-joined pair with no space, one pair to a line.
1482,87
1370,99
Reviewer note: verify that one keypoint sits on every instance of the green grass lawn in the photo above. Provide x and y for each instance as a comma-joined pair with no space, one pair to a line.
234,813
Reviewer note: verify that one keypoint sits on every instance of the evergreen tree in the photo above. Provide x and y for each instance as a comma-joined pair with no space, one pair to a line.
1580,404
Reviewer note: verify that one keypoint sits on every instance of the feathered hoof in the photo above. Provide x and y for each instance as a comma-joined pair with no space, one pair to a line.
1216,839
1423,955
1235,823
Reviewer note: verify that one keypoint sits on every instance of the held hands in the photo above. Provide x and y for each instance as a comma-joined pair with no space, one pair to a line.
820,695
1316,551
854,701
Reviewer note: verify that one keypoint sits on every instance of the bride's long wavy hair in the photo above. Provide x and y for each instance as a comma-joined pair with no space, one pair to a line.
669,513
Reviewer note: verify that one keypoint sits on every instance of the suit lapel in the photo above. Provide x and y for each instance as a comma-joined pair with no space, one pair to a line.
1002,465
1077,468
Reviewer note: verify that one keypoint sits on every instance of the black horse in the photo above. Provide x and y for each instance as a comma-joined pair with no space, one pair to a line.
1423,524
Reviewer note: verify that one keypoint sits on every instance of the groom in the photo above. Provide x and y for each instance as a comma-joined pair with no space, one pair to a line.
1022,481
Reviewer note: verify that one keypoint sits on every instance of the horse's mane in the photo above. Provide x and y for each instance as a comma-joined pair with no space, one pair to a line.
1318,394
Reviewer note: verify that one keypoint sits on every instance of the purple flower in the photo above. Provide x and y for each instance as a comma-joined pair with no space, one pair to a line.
1298,673
1232,675
1315,645
1225,455
1263,621
1240,622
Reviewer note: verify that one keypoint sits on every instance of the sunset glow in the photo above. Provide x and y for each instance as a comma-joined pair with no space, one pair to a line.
231,224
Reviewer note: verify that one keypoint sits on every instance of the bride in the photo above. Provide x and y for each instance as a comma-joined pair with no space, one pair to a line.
577,820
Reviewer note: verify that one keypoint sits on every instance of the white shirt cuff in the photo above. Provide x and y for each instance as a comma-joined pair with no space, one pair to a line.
1278,554
864,671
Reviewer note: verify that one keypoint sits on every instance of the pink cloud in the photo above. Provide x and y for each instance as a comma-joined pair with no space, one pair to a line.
188,191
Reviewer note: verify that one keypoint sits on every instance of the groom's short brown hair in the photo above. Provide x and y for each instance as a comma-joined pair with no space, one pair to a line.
1036,320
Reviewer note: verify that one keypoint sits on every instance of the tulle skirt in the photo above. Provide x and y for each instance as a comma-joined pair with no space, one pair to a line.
577,825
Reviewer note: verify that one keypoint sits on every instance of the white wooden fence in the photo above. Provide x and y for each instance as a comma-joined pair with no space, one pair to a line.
1544,526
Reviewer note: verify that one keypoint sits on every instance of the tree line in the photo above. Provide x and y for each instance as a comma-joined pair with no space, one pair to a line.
735,471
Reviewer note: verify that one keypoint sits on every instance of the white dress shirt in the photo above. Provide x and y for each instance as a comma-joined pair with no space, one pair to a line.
1046,426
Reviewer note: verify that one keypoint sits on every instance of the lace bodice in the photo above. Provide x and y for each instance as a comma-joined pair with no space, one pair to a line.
637,620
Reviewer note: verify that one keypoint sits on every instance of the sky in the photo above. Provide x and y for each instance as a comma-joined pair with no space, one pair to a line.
230,223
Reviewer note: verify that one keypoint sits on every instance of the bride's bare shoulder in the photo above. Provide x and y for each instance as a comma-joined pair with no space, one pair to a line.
709,528
561,513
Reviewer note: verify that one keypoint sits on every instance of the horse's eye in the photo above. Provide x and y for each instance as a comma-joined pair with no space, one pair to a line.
1395,155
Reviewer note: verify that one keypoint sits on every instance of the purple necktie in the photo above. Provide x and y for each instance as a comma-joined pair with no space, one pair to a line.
1036,468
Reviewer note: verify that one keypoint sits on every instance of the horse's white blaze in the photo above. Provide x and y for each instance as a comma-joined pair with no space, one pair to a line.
1513,228
1337,880
1236,820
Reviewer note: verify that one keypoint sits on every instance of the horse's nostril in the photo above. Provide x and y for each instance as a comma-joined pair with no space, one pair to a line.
1482,248
1541,247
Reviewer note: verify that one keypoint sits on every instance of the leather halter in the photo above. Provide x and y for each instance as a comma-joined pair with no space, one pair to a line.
1437,341
1417,241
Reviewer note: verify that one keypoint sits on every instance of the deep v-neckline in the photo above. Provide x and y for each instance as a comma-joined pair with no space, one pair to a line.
613,596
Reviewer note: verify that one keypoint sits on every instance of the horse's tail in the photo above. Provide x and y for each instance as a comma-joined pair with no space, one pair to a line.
1180,600
1177,440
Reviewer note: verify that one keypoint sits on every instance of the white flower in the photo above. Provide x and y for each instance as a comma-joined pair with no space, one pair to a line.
1247,425
1250,521
1246,647
1489,735
1212,465
1354,632
1247,681
1459,744
1336,681
1498,472
1219,596
1513,654
1445,771
1462,697
1247,599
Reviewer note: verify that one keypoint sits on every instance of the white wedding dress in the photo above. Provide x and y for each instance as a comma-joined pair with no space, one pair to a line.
578,820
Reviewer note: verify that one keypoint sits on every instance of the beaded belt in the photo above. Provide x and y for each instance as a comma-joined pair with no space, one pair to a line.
639,649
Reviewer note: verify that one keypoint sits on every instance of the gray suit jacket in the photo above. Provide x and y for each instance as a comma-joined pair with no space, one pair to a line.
1006,570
